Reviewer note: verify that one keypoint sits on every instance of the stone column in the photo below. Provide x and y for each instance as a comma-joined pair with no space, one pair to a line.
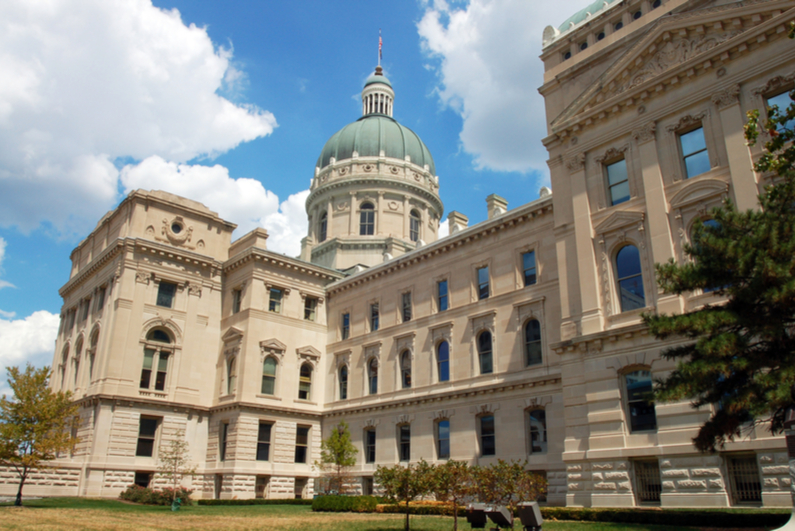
591,320
657,209
352,219
406,215
329,211
740,164
379,208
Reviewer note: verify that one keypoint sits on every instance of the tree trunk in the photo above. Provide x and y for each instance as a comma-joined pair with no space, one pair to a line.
407,514
18,501
455,515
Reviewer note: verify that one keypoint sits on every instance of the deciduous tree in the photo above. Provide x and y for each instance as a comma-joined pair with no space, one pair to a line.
174,461
405,483
35,424
453,481
508,483
337,456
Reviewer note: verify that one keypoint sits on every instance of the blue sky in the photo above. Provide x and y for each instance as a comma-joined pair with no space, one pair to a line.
217,99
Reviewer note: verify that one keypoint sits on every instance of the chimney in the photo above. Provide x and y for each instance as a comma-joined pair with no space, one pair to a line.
457,221
496,205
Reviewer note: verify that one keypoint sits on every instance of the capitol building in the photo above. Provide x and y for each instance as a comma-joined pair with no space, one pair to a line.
519,337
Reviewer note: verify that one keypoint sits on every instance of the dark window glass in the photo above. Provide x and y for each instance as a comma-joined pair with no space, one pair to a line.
600,36
323,227
269,376
343,383
443,439
484,352
637,14
656,4
231,375
301,444
374,317
264,441
538,431
405,442
146,371
224,440
372,376
529,267
617,182
147,430
567,56
487,440
583,46
641,409
236,296
162,371
618,26
405,369
443,361
275,301
483,282
630,279
310,308
414,226
441,295
142,479
366,219
694,152
532,342
406,306
346,325
158,335
165,294
305,382
369,446
101,299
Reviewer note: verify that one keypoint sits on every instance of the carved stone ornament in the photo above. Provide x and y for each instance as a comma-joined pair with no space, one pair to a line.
612,153
341,206
403,419
144,277
728,97
394,170
393,205
368,167
308,353
176,231
343,359
647,133
576,162
687,121
774,85
194,289
272,347
443,414
343,171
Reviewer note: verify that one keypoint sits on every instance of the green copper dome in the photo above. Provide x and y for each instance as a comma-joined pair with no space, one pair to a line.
377,78
371,134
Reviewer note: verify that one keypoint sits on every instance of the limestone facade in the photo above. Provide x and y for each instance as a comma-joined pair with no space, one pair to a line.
516,338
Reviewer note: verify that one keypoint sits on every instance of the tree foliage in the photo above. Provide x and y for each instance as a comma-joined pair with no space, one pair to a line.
35,424
406,483
740,357
507,483
337,456
174,462
452,481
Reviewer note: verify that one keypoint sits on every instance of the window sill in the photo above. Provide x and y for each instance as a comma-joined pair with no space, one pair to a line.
152,394
307,402
269,397
628,317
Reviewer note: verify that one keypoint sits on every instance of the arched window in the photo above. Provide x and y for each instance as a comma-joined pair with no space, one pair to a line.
372,376
641,410
157,352
532,342
443,439
231,375
366,219
405,369
62,368
344,382
484,353
305,382
92,355
78,353
537,431
414,226
630,279
323,228
443,361
269,376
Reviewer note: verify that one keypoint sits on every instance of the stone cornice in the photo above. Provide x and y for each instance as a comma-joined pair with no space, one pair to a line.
254,254
110,252
522,214
264,409
595,342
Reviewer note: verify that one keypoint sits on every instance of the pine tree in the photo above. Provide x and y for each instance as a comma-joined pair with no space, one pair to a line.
35,425
337,456
741,354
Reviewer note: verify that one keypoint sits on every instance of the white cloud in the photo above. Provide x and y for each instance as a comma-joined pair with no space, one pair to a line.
84,82
444,229
27,340
242,201
489,72
3,283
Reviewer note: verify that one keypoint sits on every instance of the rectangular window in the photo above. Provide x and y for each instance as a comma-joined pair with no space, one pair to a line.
782,101
367,486
147,431
369,446
70,319
529,268
165,294
301,444
374,317
642,416
310,307
487,439
648,482
86,309
261,487
744,479
146,371
142,479
443,439
404,442
237,295
406,306
617,182
694,152
224,440
483,282
101,299
442,295
346,325
162,371
264,441
275,302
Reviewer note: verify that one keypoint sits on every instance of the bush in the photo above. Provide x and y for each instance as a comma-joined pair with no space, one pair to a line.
147,496
255,501
354,504
677,517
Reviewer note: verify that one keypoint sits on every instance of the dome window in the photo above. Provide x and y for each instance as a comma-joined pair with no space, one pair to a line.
366,219
322,229
567,56
637,14
600,36
618,26
414,226
583,46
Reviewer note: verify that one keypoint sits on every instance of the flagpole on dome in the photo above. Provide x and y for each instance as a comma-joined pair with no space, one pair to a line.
380,43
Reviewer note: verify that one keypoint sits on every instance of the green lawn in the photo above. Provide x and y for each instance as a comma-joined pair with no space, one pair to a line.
100,514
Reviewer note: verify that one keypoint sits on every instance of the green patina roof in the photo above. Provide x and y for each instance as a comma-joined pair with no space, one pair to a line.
371,134
582,14
377,78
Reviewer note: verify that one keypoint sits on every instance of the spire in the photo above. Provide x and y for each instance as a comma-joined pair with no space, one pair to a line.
377,95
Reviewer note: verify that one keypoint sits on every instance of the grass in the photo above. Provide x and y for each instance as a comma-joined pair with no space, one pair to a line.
102,514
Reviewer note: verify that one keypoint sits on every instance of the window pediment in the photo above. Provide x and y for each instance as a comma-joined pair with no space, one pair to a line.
308,353
619,220
232,335
698,191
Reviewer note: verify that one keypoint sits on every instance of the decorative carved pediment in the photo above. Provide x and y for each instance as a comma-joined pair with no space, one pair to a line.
272,345
404,419
774,85
160,322
342,358
308,353
698,191
618,220
612,153
232,335
443,414
687,121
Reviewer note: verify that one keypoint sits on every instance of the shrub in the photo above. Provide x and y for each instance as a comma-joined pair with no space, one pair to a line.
255,501
354,504
147,496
